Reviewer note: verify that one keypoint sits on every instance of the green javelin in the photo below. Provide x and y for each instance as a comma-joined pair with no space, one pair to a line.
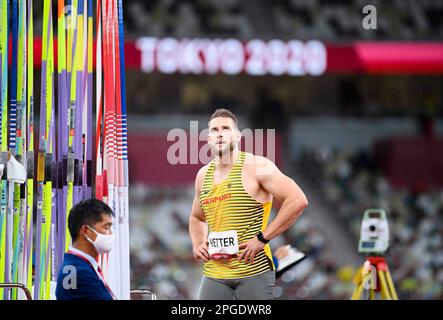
41,232
40,177
4,131
47,189
20,192
45,158
30,152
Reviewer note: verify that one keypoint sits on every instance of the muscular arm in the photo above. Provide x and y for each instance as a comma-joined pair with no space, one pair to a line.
293,200
198,229
282,188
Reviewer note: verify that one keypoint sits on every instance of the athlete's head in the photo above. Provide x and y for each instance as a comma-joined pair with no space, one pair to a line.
224,134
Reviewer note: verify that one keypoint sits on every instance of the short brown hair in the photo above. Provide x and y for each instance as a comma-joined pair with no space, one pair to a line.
224,113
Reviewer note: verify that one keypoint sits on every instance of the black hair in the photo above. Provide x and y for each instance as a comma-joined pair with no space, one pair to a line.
86,212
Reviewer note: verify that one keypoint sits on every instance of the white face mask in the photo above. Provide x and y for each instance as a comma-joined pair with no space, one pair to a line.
103,243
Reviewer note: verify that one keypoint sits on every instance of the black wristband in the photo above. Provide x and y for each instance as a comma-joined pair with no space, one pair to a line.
261,238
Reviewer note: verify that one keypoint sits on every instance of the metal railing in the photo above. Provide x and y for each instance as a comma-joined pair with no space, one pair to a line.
142,294
17,286
137,294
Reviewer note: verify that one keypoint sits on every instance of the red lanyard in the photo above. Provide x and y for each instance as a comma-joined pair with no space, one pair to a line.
100,273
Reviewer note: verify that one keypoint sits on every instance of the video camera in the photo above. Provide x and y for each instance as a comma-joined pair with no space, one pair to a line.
374,232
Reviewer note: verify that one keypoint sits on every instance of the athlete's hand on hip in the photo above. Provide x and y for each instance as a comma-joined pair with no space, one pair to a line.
201,252
251,248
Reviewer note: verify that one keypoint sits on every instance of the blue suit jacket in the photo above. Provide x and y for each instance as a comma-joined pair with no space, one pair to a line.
88,287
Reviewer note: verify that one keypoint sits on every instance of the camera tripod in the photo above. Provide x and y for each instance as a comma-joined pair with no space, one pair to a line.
374,277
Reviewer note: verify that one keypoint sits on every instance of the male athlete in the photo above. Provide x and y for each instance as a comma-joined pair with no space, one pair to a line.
230,212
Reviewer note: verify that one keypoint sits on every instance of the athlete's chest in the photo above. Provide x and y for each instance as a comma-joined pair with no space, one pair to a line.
231,187
220,175
225,191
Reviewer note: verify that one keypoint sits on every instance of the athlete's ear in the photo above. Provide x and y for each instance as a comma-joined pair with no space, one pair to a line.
238,135
207,132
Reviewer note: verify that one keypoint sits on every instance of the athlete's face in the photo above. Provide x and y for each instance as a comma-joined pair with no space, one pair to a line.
223,135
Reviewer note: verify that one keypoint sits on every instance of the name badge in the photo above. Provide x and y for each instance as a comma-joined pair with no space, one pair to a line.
223,245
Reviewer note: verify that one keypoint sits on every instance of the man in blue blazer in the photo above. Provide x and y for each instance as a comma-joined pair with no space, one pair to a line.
80,277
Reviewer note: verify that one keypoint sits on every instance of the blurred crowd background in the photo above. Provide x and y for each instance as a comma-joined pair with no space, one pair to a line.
352,141
335,20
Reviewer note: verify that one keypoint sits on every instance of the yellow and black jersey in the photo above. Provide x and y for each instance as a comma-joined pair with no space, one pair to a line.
227,206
